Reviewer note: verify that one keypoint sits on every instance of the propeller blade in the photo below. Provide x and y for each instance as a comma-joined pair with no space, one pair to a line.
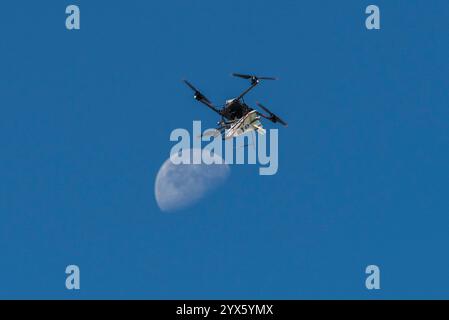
265,109
274,118
190,85
267,78
249,76
198,94
244,76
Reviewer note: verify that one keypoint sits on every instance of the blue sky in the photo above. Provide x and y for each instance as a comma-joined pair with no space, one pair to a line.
85,124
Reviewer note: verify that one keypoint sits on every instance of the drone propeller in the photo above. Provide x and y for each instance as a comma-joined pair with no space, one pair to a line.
253,78
271,116
201,98
198,95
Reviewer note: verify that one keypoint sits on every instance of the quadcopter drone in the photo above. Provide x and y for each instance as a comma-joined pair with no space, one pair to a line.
237,117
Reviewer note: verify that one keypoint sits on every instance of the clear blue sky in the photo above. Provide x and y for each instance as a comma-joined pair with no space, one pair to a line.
363,174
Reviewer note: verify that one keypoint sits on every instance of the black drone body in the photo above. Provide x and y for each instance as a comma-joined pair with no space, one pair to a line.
236,115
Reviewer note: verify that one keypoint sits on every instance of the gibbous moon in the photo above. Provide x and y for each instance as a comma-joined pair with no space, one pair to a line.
182,185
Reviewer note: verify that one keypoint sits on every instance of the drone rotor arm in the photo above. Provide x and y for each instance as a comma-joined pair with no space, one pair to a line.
247,90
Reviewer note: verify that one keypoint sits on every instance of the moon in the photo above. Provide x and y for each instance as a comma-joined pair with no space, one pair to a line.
179,186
